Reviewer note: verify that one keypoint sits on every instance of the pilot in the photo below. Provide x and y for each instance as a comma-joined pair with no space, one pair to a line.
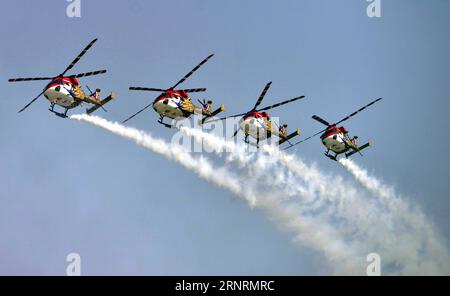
283,130
96,94
208,107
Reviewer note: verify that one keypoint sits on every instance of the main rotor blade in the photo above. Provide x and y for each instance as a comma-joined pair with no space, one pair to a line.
89,73
322,121
203,103
137,112
192,71
281,103
359,110
146,89
29,79
306,139
224,118
79,57
32,101
191,90
261,97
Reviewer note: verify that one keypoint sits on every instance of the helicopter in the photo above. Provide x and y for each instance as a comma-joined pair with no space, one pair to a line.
256,122
65,91
177,104
335,138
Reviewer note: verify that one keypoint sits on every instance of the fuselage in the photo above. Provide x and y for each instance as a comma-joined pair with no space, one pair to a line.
256,124
60,92
173,104
334,139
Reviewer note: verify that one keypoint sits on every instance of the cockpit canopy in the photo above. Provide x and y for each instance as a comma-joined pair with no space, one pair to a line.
265,115
332,130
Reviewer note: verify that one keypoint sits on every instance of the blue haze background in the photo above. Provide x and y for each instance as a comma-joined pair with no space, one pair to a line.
69,187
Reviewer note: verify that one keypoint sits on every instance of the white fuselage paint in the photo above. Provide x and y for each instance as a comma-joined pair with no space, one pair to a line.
60,95
335,143
256,127
169,107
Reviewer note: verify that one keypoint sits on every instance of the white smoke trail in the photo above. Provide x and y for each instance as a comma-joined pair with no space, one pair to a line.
309,230
388,225
333,218
200,165
316,187
429,242
219,146
312,194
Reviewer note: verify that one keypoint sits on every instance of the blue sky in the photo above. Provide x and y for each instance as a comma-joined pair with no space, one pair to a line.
67,187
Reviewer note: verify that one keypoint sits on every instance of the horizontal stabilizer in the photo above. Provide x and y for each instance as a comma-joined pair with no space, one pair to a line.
357,150
214,113
102,102
287,138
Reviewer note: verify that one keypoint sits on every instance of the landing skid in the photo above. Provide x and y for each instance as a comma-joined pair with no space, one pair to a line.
246,140
62,115
160,121
252,144
331,156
